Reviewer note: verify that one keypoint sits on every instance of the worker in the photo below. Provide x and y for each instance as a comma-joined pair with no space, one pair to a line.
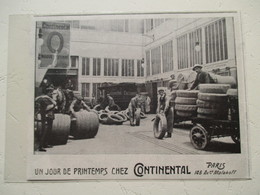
202,77
108,101
69,85
173,84
134,104
45,106
163,107
78,105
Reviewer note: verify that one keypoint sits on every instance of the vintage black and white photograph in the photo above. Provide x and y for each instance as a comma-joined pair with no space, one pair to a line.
138,84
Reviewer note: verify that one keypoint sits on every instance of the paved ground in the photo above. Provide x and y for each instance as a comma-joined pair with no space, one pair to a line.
124,139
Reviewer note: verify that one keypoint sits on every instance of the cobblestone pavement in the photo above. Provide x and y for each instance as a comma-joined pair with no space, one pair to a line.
124,139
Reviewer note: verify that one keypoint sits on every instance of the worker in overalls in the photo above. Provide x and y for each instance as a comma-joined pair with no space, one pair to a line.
134,104
163,107
45,106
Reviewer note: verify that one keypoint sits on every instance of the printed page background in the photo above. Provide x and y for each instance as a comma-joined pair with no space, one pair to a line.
250,34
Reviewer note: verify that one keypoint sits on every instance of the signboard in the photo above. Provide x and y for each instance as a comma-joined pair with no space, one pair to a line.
54,52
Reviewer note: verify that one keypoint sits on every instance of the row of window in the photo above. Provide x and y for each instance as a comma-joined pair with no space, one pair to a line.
111,67
190,49
85,90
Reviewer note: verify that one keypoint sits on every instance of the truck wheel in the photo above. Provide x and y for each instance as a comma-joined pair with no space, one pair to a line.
186,101
159,126
199,137
214,88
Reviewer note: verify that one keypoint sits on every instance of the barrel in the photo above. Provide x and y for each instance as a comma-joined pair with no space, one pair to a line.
60,129
86,125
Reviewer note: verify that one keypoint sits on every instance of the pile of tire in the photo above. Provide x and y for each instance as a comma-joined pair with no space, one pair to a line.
85,125
185,103
213,101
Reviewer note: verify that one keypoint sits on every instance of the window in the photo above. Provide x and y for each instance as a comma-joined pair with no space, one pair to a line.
167,56
149,24
74,60
111,67
140,68
182,48
96,91
117,25
96,66
156,60
85,66
148,62
158,21
127,67
126,25
85,89
216,41
195,56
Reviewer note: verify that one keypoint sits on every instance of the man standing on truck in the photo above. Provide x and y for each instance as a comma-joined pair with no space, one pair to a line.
163,106
45,106
202,77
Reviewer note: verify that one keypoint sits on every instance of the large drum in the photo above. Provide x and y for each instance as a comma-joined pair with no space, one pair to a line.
85,125
60,129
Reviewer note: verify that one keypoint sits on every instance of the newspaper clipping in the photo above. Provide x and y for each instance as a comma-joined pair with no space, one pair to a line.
138,96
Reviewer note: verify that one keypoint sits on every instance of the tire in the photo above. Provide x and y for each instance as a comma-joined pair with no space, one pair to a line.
208,104
173,95
232,92
187,94
159,126
137,116
213,97
114,119
103,117
142,115
97,107
87,124
199,137
123,116
60,129
186,108
214,88
185,101
185,114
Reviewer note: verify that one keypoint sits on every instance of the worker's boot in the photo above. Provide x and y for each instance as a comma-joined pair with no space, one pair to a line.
169,135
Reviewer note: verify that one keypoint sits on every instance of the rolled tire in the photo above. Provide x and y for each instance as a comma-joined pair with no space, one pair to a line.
159,126
213,97
214,88
124,117
185,108
232,92
212,105
103,117
187,94
137,116
114,119
185,114
185,101
87,124
142,115
60,129
97,107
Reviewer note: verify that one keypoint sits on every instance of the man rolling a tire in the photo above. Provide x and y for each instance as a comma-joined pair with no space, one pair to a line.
163,106
202,77
45,105
132,107
77,105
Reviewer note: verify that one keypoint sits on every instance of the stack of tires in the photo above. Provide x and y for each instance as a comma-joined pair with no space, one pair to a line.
185,103
213,101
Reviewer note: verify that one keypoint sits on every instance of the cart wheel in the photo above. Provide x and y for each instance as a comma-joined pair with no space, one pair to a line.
159,126
236,138
199,137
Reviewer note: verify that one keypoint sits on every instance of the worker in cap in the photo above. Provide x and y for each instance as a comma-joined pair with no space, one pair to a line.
163,106
201,77
45,106
78,105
